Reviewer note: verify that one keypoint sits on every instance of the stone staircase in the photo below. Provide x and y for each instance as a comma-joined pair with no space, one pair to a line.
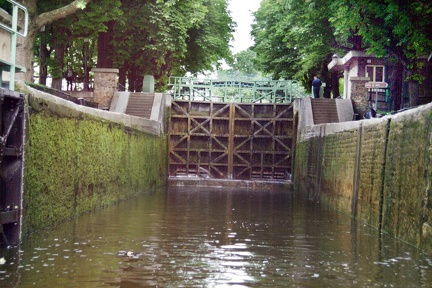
140,104
324,111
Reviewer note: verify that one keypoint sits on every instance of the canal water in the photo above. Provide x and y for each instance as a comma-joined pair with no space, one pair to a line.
214,238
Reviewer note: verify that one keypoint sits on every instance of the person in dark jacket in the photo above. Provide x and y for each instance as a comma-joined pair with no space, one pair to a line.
316,85
69,75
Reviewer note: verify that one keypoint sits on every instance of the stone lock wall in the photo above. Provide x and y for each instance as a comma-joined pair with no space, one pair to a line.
76,162
376,170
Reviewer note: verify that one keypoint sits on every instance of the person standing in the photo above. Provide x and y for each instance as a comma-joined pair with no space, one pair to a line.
316,85
69,75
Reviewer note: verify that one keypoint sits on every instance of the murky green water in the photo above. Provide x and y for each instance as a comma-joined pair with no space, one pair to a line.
214,238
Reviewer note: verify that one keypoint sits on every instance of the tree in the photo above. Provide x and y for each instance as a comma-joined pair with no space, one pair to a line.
207,42
244,62
154,37
147,45
274,55
294,39
297,38
399,30
174,37
36,22
72,39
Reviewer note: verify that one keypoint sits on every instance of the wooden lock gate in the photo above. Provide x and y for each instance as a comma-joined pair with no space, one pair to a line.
241,141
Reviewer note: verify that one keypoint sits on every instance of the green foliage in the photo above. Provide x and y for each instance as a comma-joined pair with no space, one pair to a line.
398,29
70,34
207,41
77,165
156,37
244,62
5,5
293,39
164,38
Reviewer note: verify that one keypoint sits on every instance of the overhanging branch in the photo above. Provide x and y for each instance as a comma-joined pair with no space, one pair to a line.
60,13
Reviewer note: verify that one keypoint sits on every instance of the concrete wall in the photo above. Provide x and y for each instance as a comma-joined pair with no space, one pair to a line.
377,170
78,159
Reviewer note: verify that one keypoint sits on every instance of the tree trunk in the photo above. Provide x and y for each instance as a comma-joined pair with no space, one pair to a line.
122,79
335,84
413,92
105,47
24,56
44,55
131,79
139,83
58,66
396,80
85,65
326,79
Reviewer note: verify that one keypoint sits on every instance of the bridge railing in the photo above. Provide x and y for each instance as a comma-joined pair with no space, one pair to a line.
214,90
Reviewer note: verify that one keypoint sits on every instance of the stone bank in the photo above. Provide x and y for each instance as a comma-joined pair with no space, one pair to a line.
377,170
78,159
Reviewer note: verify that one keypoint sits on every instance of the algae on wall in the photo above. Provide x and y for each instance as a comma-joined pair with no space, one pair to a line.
407,196
338,165
390,185
75,165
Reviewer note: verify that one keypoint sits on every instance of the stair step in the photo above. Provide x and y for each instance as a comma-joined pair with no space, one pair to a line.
324,111
140,104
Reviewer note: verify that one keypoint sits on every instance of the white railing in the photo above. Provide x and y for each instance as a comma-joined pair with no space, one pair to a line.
13,28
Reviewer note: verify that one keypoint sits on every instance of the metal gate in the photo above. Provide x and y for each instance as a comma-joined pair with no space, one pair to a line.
11,157
231,140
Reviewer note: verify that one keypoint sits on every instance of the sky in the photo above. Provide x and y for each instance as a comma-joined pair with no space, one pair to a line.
241,12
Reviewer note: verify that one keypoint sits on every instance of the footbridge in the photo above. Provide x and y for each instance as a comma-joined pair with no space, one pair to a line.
235,90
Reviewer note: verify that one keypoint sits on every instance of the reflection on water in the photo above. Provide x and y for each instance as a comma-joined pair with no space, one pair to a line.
213,238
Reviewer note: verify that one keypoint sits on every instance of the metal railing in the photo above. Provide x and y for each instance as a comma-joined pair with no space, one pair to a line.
236,91
64,95
14,30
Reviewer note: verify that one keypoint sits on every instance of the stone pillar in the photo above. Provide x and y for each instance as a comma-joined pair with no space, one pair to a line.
105,85
359,94
346,74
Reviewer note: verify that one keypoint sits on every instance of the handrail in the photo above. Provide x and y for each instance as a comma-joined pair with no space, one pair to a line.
13,29
26,17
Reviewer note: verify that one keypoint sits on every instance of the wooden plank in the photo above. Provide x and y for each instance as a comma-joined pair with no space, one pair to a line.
231,142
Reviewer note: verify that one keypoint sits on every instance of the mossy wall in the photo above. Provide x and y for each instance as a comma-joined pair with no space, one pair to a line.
337,170
77,164
377,170
371,157
407,204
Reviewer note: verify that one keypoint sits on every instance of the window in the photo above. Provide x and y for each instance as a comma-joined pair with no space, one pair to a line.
375,73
